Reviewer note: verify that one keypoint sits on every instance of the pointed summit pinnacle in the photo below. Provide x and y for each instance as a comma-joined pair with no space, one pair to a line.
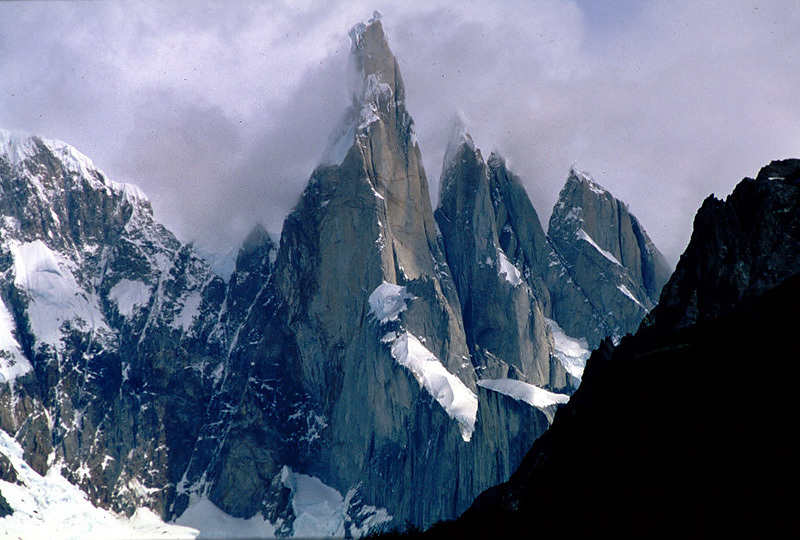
374,60
459,136
585,179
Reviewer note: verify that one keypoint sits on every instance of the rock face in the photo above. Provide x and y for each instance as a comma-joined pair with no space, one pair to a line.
660,438
107,353
740,248
391,368
523,293
607,273
492,239
352,365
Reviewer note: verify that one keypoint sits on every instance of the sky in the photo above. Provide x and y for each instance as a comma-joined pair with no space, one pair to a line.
220,111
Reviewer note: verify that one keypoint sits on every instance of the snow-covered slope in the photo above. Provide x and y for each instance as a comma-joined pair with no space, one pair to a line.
105,320
50,507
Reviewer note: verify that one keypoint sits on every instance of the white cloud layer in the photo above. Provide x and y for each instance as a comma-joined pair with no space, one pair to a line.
221,110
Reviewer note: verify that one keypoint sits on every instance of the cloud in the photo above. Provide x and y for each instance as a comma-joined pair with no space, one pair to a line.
220,110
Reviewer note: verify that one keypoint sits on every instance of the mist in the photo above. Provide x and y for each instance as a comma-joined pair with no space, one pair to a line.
220,111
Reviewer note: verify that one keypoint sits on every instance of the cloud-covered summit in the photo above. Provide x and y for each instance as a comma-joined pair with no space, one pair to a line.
220,111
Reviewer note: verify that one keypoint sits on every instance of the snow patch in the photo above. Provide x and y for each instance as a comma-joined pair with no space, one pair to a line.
54,294
508,269
522,391
189,312
627,292
50,507
583,235
321,511
388,301
13,363
128,295
211,522
449,391
371,517
572,353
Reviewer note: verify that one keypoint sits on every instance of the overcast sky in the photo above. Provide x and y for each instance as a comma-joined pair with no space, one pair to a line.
220,111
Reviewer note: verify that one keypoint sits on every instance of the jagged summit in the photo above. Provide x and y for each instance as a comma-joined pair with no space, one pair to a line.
378,95
460,149
374,59
17,148
608,259
577,176
489,237
459,136
357,31
740,247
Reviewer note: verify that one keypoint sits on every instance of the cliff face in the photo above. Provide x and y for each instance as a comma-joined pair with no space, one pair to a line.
107,354
605,258
683,428
492,238
740,248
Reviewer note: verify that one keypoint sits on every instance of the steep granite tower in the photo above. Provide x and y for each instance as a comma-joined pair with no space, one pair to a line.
604,256
352,366
493,237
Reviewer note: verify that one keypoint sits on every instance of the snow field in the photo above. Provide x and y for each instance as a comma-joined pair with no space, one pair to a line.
449,391
50,507
572,353
522,391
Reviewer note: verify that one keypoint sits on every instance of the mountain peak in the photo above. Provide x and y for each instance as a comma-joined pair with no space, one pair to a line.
787,169
375,62
18,147
378,93
459,136
357,31
592,229
584,179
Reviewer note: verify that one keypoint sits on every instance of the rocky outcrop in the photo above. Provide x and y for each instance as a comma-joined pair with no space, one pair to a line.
607,273
740,248
493,238
630,453
351,365
107,353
